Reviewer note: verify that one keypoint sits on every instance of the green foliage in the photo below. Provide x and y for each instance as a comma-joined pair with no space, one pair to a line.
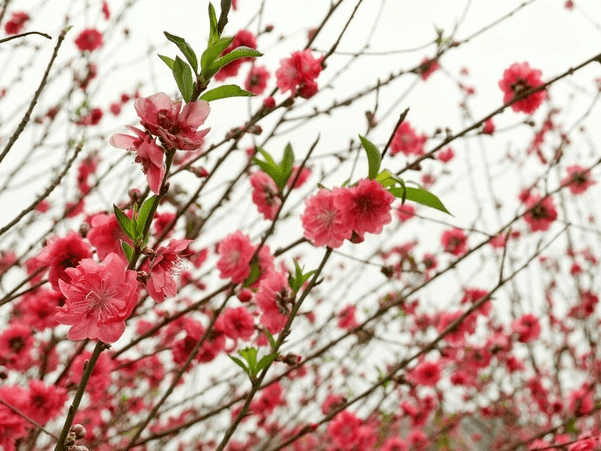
183,77
184,48
225,91
249,362
297,280
279,172
374,158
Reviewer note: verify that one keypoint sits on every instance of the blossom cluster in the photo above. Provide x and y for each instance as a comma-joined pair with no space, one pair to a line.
330,217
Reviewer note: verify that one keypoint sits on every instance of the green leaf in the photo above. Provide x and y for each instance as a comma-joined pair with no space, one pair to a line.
250,355
225,91
168,61
185,49
255,273
287,163
143,215
297,281
240,363
214,32
126,224
374,158
270,338
183,77
212,53
265,361
237,53
129,252
421,196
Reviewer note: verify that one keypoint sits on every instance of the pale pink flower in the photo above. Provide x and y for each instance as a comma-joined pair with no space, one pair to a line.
163,267
99,298
322,220
176,129
265,194
235,252
365,207
149,155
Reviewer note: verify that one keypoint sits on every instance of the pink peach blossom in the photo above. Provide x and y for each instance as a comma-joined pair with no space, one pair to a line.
177,129
99,298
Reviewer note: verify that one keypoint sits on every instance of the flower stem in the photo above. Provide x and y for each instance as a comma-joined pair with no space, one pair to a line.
89,367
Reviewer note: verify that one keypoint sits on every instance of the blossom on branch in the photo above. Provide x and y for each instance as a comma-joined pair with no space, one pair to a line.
149,155
177,129
322,220
541,213
299,72
517,79
16,23
89,39
99,298
578,179
163,267
406,140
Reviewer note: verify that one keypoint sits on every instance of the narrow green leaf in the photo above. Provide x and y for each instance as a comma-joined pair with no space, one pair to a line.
421,196
183,77
143,215
287,163
168,61
184,48
212,52
225,91
214,32
237,53
125,223
240,363
270,338
374,158
127,250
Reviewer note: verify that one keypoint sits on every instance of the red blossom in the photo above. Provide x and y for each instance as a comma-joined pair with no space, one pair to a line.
298,73
578,179
517,79
407,141
256,81
16,23
89,39
427,68
365,207
541,213
454,242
